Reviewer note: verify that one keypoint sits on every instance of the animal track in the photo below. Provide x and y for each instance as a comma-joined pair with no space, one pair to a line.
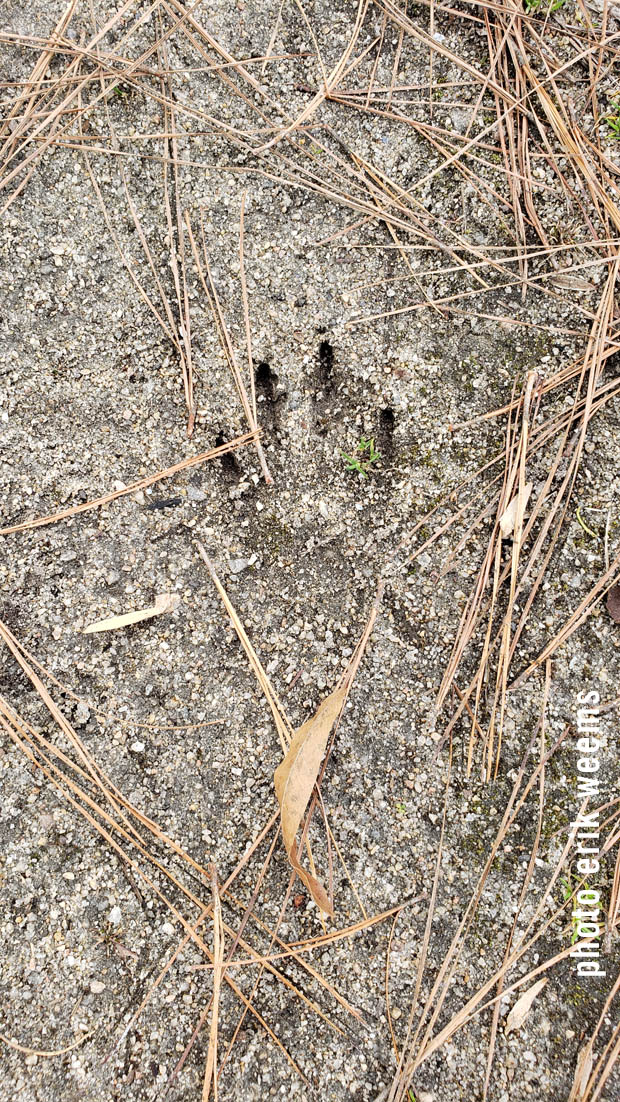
326,363
325,385
230,464
265,381
385,432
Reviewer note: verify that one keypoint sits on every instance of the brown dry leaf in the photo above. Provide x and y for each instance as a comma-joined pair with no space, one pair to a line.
295,778
573,283
613,603
508,518
585,1060
164,602
521,1008
304,748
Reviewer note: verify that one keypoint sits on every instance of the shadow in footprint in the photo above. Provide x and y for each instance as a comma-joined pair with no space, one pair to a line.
229,461
265,381
385,432
326,364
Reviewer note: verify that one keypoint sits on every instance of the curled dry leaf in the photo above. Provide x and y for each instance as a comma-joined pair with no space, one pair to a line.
508,518
164,602
521,1008
613,603
295,778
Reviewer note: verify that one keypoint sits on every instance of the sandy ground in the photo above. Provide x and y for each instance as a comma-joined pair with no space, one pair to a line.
92,397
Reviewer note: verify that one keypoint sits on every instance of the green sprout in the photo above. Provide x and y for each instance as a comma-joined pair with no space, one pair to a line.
109,936
362,458
401,807
536,5
613,120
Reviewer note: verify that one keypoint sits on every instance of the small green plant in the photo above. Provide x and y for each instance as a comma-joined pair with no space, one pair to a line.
536,5
363,457
401,807
109,936
613,120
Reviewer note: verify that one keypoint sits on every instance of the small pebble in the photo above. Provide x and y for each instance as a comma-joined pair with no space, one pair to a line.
237,565
82,713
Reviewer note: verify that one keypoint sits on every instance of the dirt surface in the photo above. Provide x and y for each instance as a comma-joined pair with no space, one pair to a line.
92,397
